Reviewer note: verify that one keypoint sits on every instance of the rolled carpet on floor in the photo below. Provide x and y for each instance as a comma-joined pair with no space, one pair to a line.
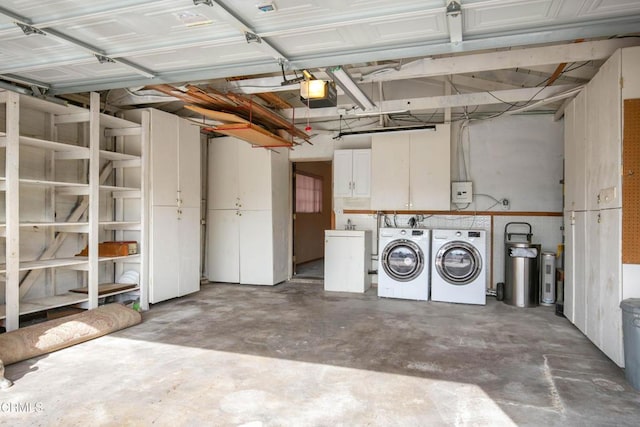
47,337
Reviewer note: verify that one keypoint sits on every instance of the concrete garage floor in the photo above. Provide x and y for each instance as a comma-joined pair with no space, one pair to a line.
295,355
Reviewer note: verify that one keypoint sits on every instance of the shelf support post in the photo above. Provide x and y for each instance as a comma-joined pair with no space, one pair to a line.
94,198
12,293
145,144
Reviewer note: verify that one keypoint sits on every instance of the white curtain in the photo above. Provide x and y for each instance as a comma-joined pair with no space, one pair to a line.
308,194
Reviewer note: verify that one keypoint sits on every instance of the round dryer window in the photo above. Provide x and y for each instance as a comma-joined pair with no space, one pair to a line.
459,263
402,260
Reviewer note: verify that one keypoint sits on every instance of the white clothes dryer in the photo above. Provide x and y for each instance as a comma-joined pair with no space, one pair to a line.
458,266
403,263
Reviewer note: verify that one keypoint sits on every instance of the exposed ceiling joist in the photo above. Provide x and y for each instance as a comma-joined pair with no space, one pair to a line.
526,57
450,101
478,83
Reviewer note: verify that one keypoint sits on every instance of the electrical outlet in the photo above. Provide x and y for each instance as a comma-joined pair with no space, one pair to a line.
505,204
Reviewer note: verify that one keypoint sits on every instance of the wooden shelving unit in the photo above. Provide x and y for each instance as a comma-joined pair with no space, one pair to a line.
108,202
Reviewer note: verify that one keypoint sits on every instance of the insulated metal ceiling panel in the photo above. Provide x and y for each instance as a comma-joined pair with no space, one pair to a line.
163,41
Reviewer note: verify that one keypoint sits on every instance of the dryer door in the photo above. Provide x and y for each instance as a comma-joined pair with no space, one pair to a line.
458,263
402,260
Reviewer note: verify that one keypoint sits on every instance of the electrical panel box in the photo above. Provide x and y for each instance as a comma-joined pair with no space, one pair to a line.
461,192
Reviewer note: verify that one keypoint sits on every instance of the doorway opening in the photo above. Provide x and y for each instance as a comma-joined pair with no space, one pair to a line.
312,184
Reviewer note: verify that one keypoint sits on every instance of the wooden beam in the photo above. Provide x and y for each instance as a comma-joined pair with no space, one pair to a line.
253,134
216,115
450,101
514,58
273,100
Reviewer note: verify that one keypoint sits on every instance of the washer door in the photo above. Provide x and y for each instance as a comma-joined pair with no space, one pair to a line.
402,260
459,263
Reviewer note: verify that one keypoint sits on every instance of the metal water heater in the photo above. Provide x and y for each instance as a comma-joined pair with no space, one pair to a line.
548,279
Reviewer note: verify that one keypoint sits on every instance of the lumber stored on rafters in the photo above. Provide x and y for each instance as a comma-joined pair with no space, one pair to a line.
238,105
253,134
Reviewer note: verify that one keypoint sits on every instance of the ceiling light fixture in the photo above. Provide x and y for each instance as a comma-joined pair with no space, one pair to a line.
350,88
318,93
454,21
28,29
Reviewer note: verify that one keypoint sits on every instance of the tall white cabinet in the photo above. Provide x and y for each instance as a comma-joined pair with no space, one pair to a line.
595,278
174,200
248,212
411,170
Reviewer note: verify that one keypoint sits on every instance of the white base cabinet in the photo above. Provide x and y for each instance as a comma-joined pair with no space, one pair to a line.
347,256
176,271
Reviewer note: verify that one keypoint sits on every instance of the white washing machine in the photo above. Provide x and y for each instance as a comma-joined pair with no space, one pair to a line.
457,266
403,263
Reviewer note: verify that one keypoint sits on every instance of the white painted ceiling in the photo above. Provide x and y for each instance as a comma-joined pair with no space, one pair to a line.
148,42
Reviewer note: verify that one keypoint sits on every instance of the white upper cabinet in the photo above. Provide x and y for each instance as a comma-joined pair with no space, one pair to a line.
576,164
242,176
604,136
430,169
411,170
352,173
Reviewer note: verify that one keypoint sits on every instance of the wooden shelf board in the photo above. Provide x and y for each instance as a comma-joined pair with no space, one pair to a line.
217,115
47,303
52,145
121,225
68,227
116,122
46,144
116,188
252,134
47,263
128,258
106,289
32,103
28,181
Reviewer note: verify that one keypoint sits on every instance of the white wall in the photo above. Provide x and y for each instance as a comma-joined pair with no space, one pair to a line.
516,157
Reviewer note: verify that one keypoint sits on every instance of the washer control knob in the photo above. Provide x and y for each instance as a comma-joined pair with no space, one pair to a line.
403,232
458,234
